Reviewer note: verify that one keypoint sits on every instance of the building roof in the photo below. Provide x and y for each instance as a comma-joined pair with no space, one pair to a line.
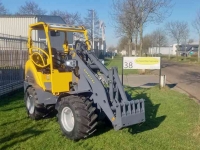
26,16
33,16
189,47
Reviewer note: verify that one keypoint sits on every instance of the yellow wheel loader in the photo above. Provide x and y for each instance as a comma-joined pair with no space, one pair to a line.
72,81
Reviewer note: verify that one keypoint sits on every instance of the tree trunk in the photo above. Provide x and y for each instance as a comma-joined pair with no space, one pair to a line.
185,49
169,53
129,47
177,50
136,39
199,49
141,39
156,50
159,51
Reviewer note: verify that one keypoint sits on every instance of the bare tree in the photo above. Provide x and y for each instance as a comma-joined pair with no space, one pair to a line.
177,30
152,11
185,39
135,37
31,8
148,42
3,10
69,18
122,45
196,25
159,37
190,41
132,15
88,24
111,48
123,13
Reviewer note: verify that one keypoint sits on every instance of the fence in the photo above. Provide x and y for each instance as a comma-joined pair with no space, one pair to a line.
13,56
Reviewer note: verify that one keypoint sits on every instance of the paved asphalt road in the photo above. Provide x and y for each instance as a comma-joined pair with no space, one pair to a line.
145,81
185,76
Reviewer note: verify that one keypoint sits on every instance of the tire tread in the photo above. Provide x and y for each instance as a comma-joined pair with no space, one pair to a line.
85,120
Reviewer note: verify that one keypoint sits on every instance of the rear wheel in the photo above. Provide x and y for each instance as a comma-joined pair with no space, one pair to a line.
34,110
77,117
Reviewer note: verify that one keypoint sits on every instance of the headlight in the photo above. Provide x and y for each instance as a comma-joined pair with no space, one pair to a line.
71,63
102,61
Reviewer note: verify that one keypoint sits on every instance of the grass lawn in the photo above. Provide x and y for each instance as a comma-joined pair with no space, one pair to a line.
117,62
172,122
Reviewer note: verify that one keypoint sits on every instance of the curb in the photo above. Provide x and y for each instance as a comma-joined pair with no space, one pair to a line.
180,90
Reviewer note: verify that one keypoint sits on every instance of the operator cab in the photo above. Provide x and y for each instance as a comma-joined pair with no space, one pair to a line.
56,49
52,60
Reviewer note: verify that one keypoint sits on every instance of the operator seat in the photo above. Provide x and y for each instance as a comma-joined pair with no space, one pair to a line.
55,57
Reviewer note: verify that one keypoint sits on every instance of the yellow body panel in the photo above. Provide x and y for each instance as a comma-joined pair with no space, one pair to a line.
60,81
33,75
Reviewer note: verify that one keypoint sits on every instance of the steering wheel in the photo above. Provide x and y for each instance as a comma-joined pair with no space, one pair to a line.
38,59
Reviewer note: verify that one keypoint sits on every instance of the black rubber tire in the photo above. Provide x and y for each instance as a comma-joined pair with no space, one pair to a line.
85,117
39,110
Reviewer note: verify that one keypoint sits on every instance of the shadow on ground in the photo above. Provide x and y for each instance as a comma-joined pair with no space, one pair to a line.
157,84
14,96
11,122
9,109
150,111
18,137
15,137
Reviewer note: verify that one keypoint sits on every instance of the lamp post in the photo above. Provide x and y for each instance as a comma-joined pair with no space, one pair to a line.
92,10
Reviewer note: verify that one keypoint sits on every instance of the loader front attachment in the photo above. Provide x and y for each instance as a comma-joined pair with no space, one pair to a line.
111,99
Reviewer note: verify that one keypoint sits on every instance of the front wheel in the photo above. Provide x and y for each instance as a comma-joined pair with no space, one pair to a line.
34,110
77,117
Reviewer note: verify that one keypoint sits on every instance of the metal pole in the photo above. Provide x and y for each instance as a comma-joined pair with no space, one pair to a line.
93,28
185,48
160,73
99,35
198,49
122,70
20,48
102,30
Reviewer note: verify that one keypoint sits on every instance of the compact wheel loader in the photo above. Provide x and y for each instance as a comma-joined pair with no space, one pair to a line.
72,81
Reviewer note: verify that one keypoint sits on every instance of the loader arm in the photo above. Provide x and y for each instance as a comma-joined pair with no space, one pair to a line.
112,99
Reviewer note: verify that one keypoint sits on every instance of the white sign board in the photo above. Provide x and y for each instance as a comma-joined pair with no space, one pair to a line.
141,62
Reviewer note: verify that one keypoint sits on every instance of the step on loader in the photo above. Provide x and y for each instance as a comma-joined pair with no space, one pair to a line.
72,81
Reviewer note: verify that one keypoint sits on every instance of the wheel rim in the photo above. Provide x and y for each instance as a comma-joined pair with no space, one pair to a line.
67,119
30,105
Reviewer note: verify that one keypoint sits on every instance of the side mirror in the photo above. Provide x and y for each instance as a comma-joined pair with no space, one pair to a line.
55,33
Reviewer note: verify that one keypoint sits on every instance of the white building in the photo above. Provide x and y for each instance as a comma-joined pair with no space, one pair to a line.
173,49
124,53
168,50
17,25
